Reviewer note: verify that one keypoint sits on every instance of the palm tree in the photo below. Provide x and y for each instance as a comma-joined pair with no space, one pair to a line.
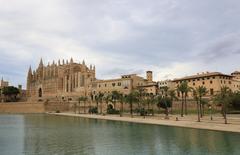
202,91
122,99
84,99
196,97
115,97
224,98
198,93
98,99
165,103
181,88
131,98
172,95
187,90
141,98
107,98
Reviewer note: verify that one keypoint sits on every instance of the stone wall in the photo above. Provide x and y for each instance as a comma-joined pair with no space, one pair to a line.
21,107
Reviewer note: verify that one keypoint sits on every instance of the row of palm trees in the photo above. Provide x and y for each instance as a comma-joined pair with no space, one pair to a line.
165,100
224,97
137,97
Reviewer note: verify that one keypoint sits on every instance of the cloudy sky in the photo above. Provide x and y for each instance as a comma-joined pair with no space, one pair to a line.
173,38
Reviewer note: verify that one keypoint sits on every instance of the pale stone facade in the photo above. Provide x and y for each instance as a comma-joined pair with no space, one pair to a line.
213,81
69,81
4,83
62,81
126,84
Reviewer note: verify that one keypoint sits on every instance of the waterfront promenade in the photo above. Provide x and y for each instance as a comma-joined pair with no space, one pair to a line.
217,124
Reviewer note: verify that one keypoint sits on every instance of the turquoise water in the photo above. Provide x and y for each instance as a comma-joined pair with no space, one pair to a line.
57,135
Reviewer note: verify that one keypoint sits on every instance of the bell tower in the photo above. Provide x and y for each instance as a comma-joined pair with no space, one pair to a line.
149,76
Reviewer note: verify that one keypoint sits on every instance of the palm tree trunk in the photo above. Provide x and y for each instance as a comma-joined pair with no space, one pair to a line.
97,106
185,101
166,112
225,114
203,110
84,107
148,109
198,108
200,102
152,110
101,108
121,113
131,109
182,106
79,107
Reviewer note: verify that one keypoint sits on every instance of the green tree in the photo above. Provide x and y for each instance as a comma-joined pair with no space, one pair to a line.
165,103
115,97
224,98
198,93
118,97
132,98
235,101
107,98
181,88
172,95
186,91
10,93
99,98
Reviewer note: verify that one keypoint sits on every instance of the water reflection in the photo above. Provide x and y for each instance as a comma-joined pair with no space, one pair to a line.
44,134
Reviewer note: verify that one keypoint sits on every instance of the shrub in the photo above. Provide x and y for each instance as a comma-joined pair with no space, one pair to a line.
93,110
110,110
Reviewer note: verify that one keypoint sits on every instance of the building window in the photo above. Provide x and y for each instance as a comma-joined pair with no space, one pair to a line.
213,77
198,79
211,82
119,83
230,82
105,85
113,84
99,85
203,82
193,83
203,79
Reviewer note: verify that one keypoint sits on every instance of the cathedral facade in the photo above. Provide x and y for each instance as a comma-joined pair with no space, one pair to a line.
60,81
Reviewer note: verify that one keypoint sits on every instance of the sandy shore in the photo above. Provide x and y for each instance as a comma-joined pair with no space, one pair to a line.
189,122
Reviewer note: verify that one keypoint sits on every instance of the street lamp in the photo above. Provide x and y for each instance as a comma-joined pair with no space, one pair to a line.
210,108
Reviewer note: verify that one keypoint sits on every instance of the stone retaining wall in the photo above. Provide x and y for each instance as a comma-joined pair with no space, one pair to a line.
22,107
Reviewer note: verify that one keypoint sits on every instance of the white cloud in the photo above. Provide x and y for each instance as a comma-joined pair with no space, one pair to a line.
170,37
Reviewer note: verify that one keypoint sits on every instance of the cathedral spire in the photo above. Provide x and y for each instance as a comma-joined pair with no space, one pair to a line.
41,63
83,62
29,72
71,60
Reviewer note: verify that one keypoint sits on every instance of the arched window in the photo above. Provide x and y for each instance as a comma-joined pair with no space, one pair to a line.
40,92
